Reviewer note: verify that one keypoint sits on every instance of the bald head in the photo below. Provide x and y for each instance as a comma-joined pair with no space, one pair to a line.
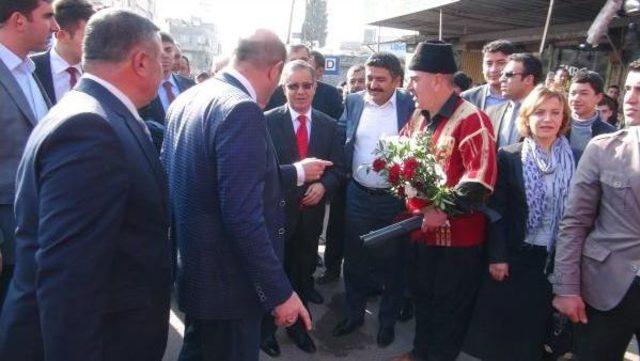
262,49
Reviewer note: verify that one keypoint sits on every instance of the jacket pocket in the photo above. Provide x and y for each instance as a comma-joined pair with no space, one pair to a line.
595,250
616,187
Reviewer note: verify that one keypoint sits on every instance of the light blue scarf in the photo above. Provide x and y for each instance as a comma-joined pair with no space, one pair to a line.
536,163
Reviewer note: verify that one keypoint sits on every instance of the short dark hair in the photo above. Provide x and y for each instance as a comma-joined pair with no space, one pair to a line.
635,65
531,64
112,33
69,13
462,80
25,7
318,58
167,38
585,76
263,49
499,46
387,61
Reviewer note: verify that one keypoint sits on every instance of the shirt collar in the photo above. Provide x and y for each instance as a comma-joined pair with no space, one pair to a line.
295,115
390,102
244,81
59,65
489,94
116,92
171,79
447,109
12,61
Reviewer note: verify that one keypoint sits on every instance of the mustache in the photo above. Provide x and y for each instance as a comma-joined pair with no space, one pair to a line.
375,90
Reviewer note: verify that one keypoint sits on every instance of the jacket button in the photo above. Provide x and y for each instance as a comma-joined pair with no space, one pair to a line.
281,231
282,203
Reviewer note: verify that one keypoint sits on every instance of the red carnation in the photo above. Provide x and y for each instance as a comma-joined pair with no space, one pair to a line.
409,167
394,174
379,164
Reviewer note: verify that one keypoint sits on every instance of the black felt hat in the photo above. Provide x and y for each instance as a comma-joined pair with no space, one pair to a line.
434,57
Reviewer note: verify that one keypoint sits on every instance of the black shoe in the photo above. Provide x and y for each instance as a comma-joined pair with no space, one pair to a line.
406,313
302,340
329,276
345,327
386,335
314,296
270,346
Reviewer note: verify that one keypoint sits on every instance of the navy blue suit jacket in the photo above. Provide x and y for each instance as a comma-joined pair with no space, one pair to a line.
93,266
350,119
226,201
43,73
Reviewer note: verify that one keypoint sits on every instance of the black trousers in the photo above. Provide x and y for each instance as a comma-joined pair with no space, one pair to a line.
444,282
333,252
300,253
221,340
607,334
7,231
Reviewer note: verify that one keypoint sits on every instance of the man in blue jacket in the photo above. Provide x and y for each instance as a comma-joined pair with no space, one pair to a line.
228,208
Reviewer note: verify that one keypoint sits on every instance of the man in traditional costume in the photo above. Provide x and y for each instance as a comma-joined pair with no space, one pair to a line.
447,259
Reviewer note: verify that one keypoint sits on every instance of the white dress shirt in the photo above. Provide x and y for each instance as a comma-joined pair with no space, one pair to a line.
123,98
22,70
60,75
376,121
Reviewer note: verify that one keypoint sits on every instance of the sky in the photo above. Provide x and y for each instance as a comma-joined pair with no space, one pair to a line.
235,18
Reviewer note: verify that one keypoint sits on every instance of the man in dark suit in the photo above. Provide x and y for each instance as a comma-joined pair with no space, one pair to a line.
25,26
327,99
228,207
494,58
58,69
93,268
171,86
521,74
381,110
298,131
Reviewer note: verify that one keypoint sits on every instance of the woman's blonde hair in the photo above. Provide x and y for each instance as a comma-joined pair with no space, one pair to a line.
539,95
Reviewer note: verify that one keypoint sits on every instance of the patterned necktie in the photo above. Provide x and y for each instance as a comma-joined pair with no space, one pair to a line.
73,76
168,87
302,137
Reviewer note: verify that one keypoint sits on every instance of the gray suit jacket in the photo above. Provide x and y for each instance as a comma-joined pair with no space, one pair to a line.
17,121
476,96
598,246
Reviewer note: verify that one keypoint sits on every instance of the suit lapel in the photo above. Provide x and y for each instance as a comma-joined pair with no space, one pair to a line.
316,135
358,108
402,109
46,98
113,104
45,76
15,91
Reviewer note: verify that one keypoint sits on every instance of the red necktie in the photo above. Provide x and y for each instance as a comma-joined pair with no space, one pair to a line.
73,76
302,137
168,87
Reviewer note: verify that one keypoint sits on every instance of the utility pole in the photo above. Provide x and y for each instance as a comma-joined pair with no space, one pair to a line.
293,3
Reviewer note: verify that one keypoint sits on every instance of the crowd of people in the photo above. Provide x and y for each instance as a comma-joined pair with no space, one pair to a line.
125,182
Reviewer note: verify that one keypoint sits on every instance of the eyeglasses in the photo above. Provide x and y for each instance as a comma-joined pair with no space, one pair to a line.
510,74
294,87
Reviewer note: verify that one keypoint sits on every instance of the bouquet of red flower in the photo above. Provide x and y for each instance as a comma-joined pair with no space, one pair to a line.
413,169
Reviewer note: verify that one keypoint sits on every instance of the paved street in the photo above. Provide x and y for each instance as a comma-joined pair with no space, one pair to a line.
359,346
